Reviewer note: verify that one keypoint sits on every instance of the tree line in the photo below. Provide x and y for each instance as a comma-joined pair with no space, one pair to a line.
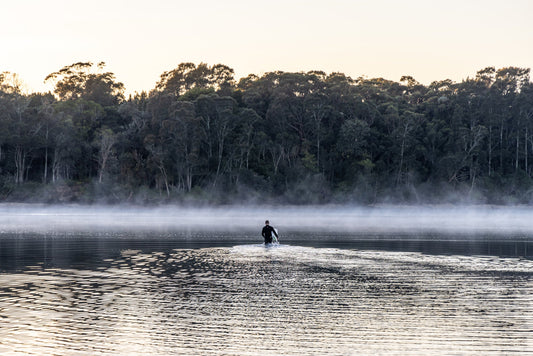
307,137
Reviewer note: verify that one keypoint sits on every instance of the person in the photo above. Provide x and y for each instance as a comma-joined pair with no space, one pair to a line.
267,233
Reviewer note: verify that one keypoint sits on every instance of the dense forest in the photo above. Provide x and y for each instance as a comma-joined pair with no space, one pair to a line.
201,137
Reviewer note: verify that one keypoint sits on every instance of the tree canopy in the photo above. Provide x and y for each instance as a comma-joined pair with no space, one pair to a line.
289,137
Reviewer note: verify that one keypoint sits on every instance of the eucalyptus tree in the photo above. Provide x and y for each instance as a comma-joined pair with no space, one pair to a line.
88,96
524,107
85,117
510,82
405,137
48,119
105,142
257,91
471,138
10,88
158,163
188,76
413,92
289,121
505,86
132,155
87,81
158,159
67,150
481,100
181,133
437,139
10,83
318,109
247,138
257,95
346,106
22,127
352,147
218,123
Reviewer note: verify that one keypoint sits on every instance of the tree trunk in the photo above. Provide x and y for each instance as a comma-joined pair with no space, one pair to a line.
189,179
501,147
398,178
490,151
525,153
45,174
164,173
517,150
107,141
20,164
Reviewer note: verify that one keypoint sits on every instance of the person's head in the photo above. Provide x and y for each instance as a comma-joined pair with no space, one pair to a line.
267,222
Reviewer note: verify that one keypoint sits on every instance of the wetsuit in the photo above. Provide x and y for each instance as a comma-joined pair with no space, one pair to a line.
267,233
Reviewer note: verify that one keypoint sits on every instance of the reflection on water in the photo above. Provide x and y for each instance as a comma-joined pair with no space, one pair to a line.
248,299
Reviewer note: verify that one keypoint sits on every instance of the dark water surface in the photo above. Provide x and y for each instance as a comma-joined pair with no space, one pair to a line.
315,294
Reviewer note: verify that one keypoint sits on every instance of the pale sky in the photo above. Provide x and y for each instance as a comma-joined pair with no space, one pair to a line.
139,40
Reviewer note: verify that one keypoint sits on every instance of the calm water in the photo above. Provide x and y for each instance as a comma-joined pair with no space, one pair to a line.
205,294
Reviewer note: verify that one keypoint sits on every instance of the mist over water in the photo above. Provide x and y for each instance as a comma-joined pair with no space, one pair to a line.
400,219
77,280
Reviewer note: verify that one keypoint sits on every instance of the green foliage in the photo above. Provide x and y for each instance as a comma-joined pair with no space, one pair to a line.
194,93
82,80
305,137
188,76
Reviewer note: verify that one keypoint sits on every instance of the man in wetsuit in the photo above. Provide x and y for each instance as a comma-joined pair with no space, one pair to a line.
267,233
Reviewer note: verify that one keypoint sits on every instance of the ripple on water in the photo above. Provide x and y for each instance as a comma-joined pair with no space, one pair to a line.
283,299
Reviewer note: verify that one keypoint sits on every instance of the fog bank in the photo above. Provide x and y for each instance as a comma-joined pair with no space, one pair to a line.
20,218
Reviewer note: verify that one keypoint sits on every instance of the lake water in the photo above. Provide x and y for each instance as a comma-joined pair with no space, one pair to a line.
207,294
176,291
